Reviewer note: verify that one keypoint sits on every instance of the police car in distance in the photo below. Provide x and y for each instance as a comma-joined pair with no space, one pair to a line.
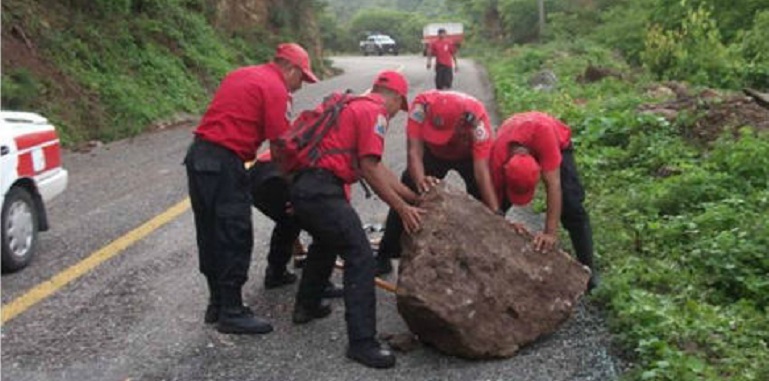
30,175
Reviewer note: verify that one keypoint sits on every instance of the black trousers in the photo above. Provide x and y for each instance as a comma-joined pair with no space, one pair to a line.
221,203
444,76
574,217
390,246
269,191
322,210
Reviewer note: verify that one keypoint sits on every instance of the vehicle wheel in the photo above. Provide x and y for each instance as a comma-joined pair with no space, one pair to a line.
19,229
365,53
395,53
380,52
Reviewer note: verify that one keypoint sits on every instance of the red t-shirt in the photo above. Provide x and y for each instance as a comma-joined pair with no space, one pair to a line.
542,134
444,51
359,132
467,141
251,105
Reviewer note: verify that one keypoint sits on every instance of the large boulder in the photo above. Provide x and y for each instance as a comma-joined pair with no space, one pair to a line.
471,286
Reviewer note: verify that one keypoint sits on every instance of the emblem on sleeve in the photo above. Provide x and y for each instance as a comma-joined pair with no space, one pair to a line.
418,113
380,128
480,133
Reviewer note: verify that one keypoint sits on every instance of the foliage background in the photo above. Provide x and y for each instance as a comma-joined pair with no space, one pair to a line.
106,69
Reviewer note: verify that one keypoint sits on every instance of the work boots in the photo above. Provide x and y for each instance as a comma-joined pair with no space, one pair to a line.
275,277
332,291
371,354
304,314
241,320
212,314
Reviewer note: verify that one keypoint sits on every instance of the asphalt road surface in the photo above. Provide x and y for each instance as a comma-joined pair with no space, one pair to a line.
138,314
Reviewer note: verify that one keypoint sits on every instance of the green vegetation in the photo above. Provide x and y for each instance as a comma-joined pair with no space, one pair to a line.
680,224
107,69
708,42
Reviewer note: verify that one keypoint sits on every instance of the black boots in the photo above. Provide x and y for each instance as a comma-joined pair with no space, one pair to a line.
274,277
240,320
304,314
371,354
332,291
212,314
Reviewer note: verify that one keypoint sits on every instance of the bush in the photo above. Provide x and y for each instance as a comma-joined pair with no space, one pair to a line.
694,52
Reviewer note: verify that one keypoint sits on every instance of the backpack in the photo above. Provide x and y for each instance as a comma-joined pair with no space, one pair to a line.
299,147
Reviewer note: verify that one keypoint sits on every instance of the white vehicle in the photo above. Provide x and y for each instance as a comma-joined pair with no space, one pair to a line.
378,44
30,175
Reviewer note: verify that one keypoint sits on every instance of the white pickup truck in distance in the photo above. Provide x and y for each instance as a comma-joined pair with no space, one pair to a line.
379,44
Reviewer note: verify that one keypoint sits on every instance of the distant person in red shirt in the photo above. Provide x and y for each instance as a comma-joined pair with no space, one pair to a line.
351,150
251,105
445,52
531,145
446,130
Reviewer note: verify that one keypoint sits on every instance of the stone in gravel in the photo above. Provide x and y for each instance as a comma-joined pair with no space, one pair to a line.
473,287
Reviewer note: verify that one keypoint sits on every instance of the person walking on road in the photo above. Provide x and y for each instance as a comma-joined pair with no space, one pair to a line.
251,105
446,130
534,145
445,52
351,150
270,192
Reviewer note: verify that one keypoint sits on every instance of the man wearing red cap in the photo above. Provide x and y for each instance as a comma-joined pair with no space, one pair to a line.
251,105
351,150
531,145
446,130
445,52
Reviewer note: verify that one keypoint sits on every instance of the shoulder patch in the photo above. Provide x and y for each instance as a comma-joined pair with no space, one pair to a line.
480,133
418,113
380,127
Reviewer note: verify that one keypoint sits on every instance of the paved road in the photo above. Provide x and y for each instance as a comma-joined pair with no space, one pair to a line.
138,315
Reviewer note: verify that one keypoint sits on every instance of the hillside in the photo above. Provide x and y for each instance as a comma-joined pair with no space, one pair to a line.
106,69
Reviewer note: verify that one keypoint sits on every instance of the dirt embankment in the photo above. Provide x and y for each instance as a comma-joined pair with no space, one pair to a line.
712,112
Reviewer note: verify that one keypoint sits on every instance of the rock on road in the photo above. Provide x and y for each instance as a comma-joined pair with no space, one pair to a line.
138,316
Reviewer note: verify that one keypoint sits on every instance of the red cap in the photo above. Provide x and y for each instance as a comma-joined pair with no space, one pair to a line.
296,54
521,177
396,82
443,115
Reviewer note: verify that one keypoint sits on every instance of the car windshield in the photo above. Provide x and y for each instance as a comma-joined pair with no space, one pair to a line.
381,39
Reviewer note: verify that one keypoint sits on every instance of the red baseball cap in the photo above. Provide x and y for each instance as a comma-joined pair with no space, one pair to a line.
521,177
443,114
296,54
396,82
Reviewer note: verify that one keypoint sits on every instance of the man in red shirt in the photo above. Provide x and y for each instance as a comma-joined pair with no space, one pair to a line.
351,150
251,105
446,130
531,145
445,52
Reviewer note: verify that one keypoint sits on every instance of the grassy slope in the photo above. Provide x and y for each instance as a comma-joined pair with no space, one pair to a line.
106,71
684,255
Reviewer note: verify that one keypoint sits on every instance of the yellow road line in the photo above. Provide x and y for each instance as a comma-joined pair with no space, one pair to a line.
51,286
